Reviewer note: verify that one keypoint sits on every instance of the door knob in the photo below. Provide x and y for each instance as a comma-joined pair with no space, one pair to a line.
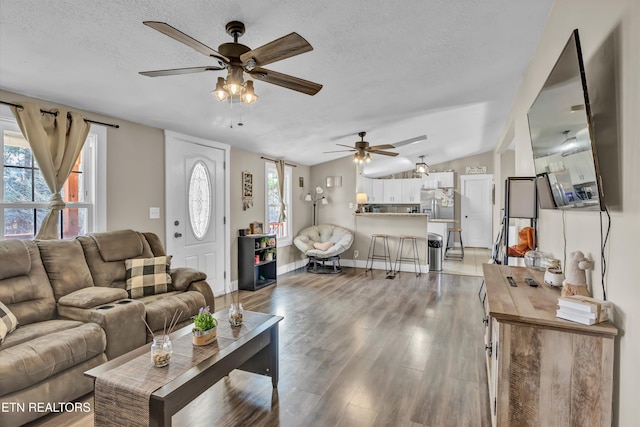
176,223
177,235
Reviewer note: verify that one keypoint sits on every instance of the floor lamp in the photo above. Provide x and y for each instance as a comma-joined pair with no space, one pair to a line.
317,197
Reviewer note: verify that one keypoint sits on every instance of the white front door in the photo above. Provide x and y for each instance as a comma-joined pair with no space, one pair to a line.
475,210
196,206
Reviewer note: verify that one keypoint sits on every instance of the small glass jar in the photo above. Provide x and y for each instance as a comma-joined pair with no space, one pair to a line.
161,350
235,314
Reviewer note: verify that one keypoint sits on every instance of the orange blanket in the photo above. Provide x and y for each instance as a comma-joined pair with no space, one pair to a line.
526,244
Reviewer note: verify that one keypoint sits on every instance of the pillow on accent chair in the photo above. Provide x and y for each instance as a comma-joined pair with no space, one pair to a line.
8,322
322,246
148,276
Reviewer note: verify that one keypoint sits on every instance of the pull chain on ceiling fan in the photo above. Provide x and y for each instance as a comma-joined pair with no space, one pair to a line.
239,60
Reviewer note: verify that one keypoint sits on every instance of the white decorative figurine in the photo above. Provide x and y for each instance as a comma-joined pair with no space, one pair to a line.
576,279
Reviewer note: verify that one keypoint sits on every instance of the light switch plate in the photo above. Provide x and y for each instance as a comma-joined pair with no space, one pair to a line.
154,213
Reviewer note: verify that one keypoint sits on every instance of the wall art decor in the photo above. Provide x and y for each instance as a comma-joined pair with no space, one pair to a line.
247,190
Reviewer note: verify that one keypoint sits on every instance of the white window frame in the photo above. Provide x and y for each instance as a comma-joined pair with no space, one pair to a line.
270,167
94,175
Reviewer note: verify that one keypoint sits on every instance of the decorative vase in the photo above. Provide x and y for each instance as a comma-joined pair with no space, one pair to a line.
161,350
235,314
201,337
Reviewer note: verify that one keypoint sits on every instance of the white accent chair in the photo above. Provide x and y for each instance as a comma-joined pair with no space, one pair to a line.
308,240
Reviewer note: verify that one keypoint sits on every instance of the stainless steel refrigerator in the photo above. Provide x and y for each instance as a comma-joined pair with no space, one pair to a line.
439,202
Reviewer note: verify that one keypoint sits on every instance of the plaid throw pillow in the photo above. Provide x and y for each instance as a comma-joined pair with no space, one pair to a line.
8,322
148,276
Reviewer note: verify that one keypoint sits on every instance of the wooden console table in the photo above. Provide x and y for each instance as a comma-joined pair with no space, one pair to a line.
543,370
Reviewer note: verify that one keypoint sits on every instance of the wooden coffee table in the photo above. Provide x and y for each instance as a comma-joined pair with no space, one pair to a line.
251,347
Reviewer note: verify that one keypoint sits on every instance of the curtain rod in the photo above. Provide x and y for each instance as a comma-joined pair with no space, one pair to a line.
55,113
271,160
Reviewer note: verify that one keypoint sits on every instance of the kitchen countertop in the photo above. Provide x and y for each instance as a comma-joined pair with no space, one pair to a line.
391,214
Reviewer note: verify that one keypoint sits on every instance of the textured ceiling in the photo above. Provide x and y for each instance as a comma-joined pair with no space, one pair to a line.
447,69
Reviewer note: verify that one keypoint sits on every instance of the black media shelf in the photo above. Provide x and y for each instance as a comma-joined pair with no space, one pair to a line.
255,268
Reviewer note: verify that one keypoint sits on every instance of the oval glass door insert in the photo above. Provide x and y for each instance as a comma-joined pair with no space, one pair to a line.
199,200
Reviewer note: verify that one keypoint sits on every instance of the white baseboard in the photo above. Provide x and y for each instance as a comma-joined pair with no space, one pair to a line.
282,269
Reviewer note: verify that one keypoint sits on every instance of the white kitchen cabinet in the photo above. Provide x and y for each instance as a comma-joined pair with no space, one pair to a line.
580,166
410,190
438,180
374,189
392,192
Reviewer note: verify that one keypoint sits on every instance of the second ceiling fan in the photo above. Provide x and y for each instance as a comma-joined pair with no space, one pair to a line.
238,59
363,150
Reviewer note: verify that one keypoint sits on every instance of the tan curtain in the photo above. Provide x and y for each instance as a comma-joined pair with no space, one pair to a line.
280,170
56,142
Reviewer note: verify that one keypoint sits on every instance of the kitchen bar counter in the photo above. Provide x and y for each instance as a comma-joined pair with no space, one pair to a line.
403,214
394,225
391,214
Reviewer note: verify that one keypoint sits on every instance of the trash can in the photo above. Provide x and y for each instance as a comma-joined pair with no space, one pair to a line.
435,252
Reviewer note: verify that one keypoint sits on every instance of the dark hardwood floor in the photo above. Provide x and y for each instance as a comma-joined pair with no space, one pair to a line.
358,349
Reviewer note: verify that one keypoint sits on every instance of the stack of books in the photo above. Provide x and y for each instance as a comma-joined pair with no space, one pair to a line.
581,309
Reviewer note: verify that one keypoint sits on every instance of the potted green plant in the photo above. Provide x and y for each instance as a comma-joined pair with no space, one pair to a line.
270,254
264,242
205,327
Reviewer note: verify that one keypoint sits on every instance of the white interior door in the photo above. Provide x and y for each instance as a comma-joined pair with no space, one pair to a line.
196,206
475,210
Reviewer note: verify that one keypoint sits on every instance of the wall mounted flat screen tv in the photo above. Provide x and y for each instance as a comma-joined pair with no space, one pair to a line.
562,137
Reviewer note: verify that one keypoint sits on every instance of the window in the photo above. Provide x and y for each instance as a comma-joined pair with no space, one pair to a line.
24,195
272,208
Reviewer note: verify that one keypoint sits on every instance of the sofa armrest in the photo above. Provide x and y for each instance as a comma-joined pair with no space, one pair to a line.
122,322
204,288
92,297
182,277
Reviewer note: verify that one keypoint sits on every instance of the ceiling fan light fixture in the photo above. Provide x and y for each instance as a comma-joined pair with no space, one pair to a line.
422,167
219,92
367,158
249,96
234,84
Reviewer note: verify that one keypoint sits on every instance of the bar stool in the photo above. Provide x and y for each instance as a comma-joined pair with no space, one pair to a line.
415,259
451,243
386,256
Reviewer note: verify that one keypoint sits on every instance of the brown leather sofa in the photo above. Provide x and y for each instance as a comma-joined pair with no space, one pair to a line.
74,313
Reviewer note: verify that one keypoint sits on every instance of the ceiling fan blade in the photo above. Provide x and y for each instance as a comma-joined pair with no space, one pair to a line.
178,71
178,35
381,147
284,80
348,146
410,141
285,47
338,151
384,153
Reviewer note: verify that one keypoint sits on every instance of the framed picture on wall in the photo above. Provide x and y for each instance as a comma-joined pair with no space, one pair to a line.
247,184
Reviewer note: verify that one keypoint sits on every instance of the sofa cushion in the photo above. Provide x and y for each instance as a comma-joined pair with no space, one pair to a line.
14,259
92,297
183,277
65,265
148,276
164,306
36,360
109,273
8,322
29,297
118,245
35,330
